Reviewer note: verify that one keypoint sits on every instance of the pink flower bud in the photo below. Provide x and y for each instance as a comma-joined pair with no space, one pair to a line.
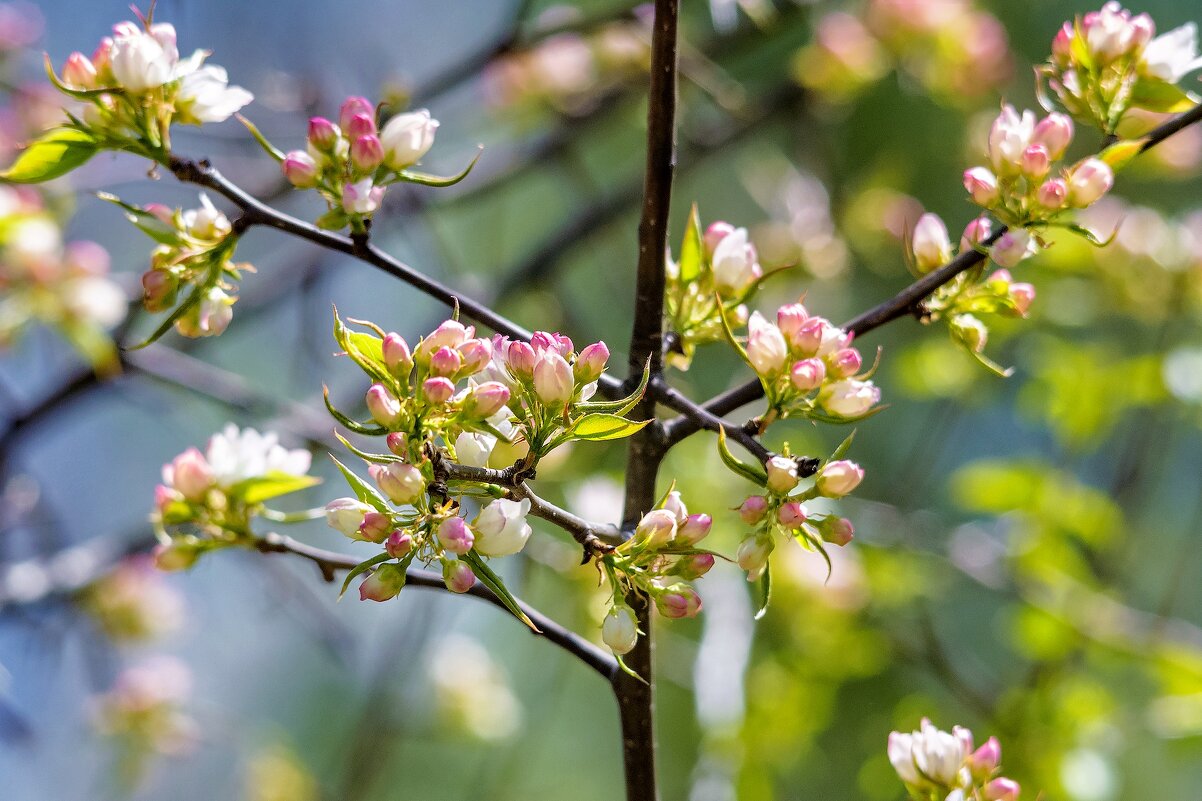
766,346
675,504
849,398
346,515
79,72
839,478
976,232
808,374
753,509
836,530
300,169
455,536
694,529
450,333
397,357
986,759
1012,247
162,213
752,555
809,337
782,474
1022,296
791,514
486,399
714,234
553,379
694,566
476,354
677,601
353,106
845,363
399,544
359,126
981,185
164,496
367,153
384,408
375,527
1054,132
458,576
361,197
521,358
438,390
158,290
384,584
401,482
1035,162
1002,789
1141,29
190,474
398,443
1052,194
1062,44
590,364
445,361
1088,181
323,134
790,319
656,528
102,57
543,341
930,243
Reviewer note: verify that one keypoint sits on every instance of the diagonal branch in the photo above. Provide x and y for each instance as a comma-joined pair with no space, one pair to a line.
908,301
330,562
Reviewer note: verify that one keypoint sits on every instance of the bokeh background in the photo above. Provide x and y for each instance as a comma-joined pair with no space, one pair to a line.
1026,560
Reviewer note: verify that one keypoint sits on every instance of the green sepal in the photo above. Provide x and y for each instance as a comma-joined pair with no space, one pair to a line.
742,468
54,154
843,448
822,417
691,249
268,147
625,668
362,568
365,492
78,94
193,299
765,594
333,220
351,424
622,405
816,544
491,580
989,364
375,458
146,222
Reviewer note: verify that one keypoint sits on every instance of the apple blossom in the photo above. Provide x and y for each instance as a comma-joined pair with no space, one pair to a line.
693,529
782,474
839,478
402,483
300,169
458,576
455,536
656,528
753,509
620,631
678,601
346,515
849,397
407,137
206,96
553,379
383,406
808,374
766,346
501,527
361,197
735,263
1088,181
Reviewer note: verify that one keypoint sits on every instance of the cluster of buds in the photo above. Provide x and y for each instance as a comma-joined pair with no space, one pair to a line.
942,766
193,258
133,602
1110,62
780,512
570,72
808,367
718,272
958,52
144,710
43,280
136,85
1023,184
208,500
962,300
352,162
658,562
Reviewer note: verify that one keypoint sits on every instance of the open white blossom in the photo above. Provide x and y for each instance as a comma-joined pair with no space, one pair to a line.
235,455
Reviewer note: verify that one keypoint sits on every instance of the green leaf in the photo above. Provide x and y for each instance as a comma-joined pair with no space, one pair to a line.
988,363
436,180
272,485
268,148
363,491
366,429
815,544
742,468
691,250
146,222
623,405
491,580
179,311
1162,97
729,334
1121,153
55,154
843,448
360,569
765,592
600,427
333,220
365,350
376,458
1088,235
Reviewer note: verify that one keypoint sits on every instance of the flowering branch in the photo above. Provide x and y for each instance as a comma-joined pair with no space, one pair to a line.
908,301
330,562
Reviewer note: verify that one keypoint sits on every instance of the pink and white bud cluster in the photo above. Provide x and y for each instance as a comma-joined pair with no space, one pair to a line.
732,259
351,162
152,85
799,355
195,482
547,370
934,763
1106,63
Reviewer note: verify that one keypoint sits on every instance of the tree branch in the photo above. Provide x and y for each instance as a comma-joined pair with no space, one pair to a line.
908,301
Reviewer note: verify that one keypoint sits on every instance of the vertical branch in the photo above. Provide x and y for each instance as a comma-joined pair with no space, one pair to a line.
647,448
